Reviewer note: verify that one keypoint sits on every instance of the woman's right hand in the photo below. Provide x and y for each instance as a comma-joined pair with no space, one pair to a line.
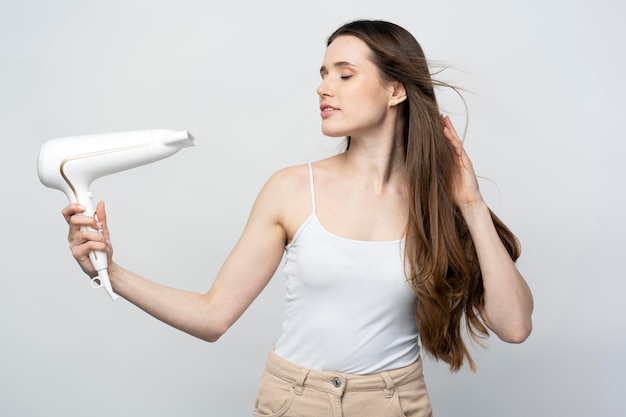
86,234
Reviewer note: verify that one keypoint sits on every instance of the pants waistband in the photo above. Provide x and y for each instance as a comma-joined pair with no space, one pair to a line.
338,383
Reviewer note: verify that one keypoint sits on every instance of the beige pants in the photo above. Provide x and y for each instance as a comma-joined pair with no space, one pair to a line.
288,390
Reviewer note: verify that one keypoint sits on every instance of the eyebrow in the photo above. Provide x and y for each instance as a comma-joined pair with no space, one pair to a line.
339,64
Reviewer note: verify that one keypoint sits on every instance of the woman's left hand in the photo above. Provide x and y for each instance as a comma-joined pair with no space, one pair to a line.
465,189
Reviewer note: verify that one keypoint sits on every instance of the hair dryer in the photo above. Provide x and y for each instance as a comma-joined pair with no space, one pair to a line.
71,164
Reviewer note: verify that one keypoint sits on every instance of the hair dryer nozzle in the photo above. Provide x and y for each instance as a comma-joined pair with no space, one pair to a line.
182,139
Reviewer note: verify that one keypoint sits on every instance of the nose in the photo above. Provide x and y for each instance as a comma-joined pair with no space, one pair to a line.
324,90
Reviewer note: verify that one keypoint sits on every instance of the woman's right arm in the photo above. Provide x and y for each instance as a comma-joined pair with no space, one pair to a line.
244,274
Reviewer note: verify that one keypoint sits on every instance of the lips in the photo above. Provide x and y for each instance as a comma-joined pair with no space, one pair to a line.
327,109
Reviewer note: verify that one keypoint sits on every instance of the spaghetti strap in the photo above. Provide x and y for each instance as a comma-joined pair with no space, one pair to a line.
312,188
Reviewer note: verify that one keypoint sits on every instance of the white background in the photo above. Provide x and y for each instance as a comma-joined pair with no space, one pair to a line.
546,93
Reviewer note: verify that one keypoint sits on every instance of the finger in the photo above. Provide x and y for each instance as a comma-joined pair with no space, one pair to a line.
450,132
87,235
454,141
448,124
79,224
77,221
101,217
81,251
87,240
71,210
101,213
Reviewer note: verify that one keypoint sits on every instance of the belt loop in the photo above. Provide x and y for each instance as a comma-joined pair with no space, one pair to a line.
389,385
298,384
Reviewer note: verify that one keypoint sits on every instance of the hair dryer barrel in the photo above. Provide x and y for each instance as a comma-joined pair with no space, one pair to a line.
65,163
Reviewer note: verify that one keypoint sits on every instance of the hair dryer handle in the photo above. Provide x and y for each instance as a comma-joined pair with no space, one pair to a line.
98,258
99,261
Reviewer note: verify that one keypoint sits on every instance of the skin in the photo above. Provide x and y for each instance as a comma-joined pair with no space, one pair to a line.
367,179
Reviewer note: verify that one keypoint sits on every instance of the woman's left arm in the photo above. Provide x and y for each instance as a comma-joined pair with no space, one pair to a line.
508,301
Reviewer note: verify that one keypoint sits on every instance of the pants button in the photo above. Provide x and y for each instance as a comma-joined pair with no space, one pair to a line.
337,382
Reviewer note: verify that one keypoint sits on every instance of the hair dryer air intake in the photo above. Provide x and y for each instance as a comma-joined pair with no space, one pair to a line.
71,164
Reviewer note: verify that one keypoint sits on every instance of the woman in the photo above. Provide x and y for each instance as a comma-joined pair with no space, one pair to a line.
386,238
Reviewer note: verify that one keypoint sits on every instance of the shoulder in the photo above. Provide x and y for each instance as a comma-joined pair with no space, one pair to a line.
286,183
286,198
283,190
297,178
289,177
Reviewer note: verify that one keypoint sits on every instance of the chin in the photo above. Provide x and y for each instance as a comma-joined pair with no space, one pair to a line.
334,133
328,135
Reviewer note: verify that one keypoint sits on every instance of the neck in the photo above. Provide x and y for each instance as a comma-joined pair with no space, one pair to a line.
379,161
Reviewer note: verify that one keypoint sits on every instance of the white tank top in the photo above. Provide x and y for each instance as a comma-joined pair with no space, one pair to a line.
349,307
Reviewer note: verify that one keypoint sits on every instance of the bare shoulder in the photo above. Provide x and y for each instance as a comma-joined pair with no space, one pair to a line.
286,198
289,178
285,184
296,179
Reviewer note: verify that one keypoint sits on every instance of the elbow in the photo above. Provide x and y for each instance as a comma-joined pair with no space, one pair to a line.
511,330
517,333
511,325
213,332
209,324
211,338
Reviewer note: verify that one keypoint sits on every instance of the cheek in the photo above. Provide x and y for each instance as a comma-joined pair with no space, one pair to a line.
374,96
373,106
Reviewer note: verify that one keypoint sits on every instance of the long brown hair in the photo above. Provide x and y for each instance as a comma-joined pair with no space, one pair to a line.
443,264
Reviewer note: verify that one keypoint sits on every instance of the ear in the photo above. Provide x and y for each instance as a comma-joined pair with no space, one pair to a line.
398,93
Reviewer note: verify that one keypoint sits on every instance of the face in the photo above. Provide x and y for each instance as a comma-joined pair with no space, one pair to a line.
354,100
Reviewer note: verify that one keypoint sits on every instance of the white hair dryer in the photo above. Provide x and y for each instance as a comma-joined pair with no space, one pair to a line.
71,164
